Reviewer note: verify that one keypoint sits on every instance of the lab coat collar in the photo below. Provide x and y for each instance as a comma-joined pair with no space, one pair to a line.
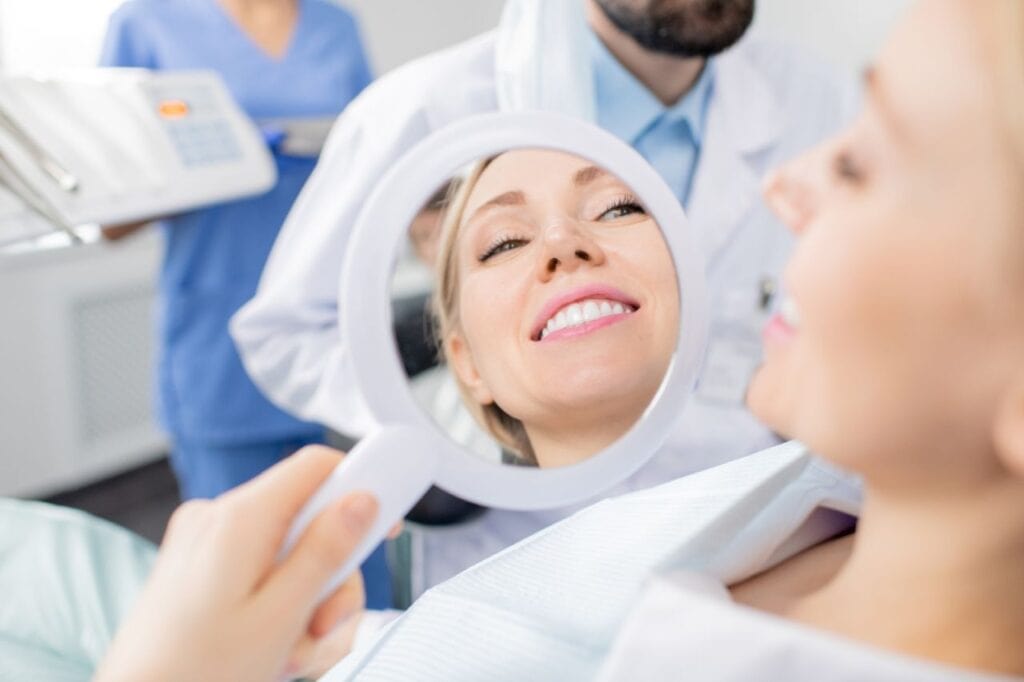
542,60
744,120
748,110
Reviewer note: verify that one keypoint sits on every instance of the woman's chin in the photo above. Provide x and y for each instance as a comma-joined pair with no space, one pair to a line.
767,399
607,396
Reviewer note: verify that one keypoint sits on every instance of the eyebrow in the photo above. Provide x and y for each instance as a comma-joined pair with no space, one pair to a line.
587,175
517,198
514,198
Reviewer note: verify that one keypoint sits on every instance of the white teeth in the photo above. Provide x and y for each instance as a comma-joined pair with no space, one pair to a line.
581,312
789,312
575,313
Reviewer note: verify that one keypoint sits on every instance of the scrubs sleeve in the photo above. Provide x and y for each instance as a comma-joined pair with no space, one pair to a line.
125,44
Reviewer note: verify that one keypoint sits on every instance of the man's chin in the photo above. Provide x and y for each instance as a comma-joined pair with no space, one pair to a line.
682,28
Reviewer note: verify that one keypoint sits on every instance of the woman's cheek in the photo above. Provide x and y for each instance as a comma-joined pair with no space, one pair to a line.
492,309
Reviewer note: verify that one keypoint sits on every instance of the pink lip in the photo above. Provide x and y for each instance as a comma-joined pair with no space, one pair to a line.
777,331
585,328
581,293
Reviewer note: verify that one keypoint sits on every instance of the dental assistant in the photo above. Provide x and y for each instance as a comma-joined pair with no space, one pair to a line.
711,112
281,59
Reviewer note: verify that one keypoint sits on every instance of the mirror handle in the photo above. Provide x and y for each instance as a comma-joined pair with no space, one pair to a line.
396,464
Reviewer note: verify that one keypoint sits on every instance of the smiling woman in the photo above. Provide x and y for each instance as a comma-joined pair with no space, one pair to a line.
557,304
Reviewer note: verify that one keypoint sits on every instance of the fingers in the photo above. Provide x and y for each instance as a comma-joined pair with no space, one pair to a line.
328,541
313,658
287,485
188,519
396,530
348,599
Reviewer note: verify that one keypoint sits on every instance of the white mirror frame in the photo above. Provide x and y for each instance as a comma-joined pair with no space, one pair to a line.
365,308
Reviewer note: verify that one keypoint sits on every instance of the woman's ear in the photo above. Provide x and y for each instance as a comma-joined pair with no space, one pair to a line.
460,358
1009,427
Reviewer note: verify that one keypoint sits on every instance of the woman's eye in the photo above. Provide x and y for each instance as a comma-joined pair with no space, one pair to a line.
847,169
621,209
501,246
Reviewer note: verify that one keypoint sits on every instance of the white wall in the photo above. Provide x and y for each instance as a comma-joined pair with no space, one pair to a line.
47,34
845,32
44,34
52,33
398,30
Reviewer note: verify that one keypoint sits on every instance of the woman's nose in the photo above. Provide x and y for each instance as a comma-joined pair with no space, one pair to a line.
794,191
566,246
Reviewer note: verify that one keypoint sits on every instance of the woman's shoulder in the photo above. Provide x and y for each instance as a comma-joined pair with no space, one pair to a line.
137,27
143,9
154,17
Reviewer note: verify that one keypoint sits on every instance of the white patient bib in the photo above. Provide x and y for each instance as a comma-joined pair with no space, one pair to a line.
550,607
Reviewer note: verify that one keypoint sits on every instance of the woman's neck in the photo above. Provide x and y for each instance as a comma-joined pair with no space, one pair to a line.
938,577
268,23
563,444
258,7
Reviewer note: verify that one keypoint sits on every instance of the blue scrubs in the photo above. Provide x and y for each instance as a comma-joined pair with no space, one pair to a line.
223,430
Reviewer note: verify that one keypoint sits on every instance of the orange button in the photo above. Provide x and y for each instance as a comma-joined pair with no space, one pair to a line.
173,108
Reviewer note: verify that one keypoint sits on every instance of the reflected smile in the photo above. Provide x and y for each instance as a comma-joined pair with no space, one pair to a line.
582,310
578,314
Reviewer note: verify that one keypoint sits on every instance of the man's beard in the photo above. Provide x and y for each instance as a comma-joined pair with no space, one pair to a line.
682,28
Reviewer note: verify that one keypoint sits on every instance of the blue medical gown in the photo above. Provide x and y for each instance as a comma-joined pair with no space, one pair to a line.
214,256
223,429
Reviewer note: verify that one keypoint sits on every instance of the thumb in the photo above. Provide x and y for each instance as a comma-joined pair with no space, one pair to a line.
328,541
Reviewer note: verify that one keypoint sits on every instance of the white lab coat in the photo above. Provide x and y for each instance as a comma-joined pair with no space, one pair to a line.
768,104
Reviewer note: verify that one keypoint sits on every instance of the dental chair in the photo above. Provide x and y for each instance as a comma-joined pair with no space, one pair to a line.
66,581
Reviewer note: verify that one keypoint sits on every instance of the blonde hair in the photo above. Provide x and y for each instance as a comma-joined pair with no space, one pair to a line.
508,430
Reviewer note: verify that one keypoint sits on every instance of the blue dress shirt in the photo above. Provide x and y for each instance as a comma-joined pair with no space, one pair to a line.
669,137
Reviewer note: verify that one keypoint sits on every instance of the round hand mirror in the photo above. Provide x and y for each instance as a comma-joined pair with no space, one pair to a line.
524,305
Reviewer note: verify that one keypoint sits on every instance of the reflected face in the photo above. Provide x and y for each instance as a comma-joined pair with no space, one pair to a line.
568,306
905,314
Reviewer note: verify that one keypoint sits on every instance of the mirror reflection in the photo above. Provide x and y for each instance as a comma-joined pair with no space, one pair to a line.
536,308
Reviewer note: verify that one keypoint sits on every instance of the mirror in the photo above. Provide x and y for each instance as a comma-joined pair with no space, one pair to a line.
572,334
535,307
